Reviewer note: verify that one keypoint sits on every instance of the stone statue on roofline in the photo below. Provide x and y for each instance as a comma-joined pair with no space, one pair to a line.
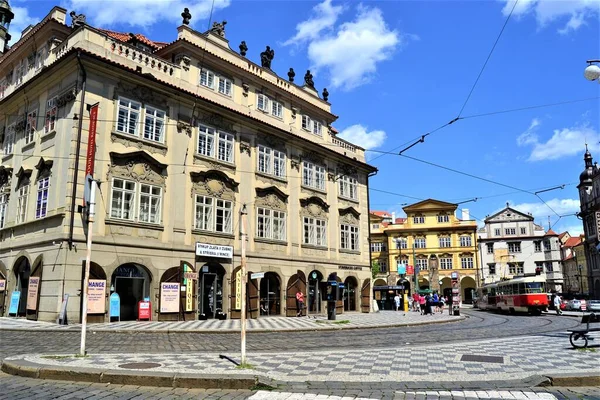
308,79
266,57
218,28
186,16
77,20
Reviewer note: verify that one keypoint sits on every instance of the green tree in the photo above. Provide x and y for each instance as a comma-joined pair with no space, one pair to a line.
375,269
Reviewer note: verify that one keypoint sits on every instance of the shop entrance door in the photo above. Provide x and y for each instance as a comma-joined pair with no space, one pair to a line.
211,295
131,291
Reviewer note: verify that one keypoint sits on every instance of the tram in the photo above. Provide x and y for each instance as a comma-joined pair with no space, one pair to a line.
520,294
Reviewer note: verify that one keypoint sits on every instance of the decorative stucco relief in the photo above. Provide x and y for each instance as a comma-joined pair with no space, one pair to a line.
314,207
141,93
138,167
215,184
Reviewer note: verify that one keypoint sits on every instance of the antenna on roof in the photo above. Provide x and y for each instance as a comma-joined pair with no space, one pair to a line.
549,226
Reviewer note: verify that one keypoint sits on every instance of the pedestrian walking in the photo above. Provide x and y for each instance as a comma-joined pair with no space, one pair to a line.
436,302
557,302
428,301
422,302
442,304
397,301
300,301
415,301
410,303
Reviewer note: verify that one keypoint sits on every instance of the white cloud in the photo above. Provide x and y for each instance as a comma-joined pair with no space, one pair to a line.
324,17
143,13
574,230
539,209
21,21
564,142
350,52
576,12
358,135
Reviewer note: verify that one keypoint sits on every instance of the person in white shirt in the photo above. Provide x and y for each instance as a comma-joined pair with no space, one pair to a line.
557,303
397,301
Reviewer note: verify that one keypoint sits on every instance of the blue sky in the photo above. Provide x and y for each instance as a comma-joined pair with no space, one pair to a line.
399,69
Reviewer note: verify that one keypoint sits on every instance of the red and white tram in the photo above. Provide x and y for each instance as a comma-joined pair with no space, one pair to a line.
520,294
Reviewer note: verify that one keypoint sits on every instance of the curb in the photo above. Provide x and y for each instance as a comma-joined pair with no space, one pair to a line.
572,380
249,331
137,378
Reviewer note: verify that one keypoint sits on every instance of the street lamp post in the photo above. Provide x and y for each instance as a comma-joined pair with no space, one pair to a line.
592,71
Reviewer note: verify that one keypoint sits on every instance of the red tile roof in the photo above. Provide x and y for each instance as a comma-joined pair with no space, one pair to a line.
551,233
572,242
381,213
126,38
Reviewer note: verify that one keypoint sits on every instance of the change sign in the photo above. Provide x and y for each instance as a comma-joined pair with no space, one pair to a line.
96,296
169,297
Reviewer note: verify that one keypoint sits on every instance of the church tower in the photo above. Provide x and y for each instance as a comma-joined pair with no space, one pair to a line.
6,15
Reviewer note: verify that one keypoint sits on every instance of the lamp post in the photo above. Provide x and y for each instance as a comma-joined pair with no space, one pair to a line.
592,71
580,267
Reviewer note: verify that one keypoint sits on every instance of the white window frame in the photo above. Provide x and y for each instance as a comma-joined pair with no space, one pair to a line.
514,247
523,230
445,241
443,218
271,161
547,245
383,266
403,243
419,219
276,109
206,136
466,241
3,87
262,102
208,77
421,264
420,243
31,126
216,213
9,139
490,248
492,268
4,197
548,266
313,175
154,124
348,187
150,196
467,262
378,247
270,224
22,200
349,237
225,146
311,125
497,232
510,231
446,263
225,86
315,231
537,246
306,123
51,115
120,193
20,73
39,58
131,117
41,201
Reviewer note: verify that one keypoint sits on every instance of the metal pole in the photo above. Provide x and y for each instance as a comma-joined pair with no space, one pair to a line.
243,214
416,268
88,256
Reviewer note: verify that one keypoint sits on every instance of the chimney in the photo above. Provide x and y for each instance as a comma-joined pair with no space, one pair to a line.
465,214
393,218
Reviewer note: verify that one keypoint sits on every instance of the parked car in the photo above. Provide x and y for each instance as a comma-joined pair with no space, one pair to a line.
593,305
574,305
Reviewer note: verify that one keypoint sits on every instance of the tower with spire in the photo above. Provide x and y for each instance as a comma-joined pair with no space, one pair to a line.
6,16
586,177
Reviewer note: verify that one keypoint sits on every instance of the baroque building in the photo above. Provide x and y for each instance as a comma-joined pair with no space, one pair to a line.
589,198
431,242
574,266
512,244
187,139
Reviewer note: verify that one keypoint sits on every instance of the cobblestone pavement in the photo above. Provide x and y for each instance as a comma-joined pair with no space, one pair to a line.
351,320
479,325
16,388
484,360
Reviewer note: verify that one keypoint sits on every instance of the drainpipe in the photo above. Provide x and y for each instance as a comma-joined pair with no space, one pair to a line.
77,150
369,240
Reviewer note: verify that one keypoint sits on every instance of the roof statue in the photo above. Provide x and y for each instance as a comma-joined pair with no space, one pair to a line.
243,48
186,16
308,79
291,75
325,94
266,57
218,28
77,20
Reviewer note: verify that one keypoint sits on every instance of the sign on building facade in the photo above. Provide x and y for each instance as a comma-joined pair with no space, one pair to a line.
213,250
96,296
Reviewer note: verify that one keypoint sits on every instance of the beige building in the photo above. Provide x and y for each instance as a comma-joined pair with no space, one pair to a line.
187,135
431,241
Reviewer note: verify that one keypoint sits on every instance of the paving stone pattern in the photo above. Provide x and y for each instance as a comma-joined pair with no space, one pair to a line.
16,388
522,357
278,323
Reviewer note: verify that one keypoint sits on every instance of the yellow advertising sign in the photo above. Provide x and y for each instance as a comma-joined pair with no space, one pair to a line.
189,296
238,289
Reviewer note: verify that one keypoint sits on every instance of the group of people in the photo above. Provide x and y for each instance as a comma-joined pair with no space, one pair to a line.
428,304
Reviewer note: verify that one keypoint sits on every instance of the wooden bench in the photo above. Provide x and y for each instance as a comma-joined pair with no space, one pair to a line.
580,336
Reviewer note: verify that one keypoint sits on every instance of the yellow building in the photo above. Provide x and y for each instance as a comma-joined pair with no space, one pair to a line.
433,241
